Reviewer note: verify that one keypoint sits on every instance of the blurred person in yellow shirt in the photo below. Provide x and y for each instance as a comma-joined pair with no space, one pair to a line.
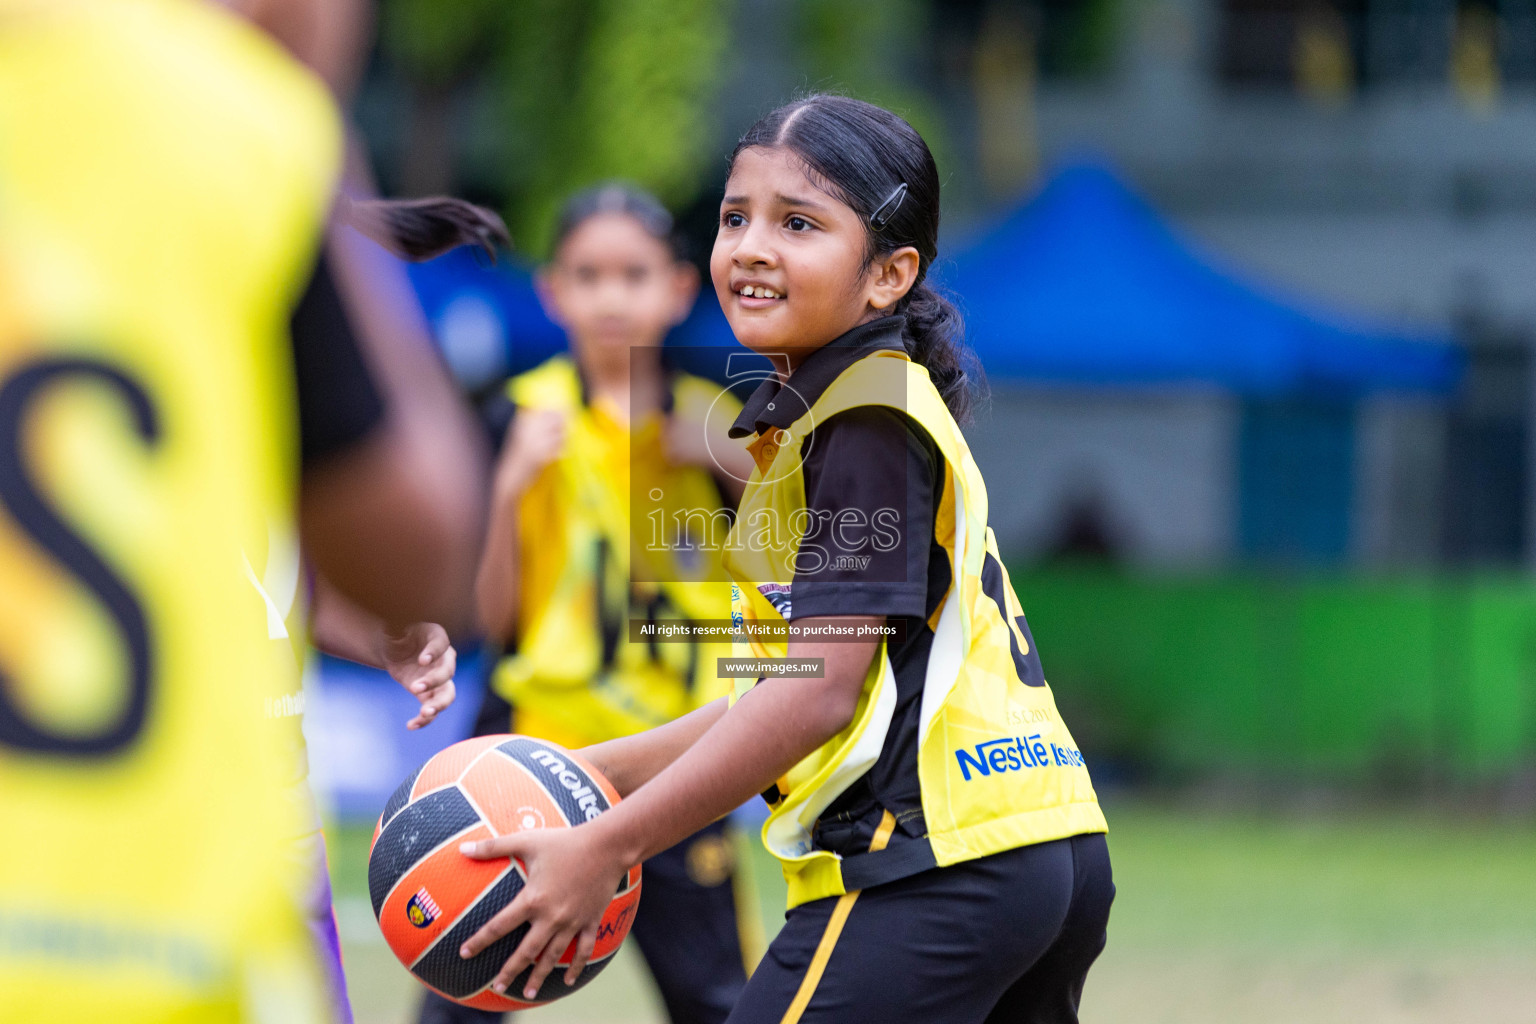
165,175
595,443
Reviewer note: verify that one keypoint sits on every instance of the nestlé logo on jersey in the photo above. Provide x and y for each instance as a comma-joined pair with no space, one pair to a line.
1013,754
585,798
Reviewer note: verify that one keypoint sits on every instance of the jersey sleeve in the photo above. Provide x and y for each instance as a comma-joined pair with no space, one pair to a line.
869,480
339,404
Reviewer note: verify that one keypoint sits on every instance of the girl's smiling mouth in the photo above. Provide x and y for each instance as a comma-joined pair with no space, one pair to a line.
752,295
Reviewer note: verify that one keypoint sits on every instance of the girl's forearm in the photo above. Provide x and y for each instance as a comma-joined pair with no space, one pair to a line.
768,731
631,761
342,629
496,580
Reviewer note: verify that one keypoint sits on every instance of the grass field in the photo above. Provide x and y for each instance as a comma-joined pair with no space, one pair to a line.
1362,917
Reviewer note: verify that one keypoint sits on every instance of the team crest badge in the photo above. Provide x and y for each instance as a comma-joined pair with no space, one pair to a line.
422,910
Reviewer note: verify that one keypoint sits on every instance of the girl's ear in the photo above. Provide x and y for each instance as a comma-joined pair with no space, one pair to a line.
548,291
892,277
685,288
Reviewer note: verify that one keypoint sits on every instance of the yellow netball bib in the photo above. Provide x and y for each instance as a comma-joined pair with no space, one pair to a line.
997,766
576,674
164,171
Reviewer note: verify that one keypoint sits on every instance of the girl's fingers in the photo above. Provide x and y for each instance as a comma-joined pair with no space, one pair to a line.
441,699
527,952
510,917
435,646
431,680
428,713
438,675
490,849
585,943
547,961
443,671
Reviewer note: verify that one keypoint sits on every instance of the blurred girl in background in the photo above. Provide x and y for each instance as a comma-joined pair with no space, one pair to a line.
569,563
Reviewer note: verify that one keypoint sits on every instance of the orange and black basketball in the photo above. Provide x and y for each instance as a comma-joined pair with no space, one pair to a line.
429,897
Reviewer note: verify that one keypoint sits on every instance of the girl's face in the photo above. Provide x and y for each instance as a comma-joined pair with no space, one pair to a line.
614,286
781,233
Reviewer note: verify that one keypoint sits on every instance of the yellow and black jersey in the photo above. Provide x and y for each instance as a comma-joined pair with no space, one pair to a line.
576,675
164,172
957,750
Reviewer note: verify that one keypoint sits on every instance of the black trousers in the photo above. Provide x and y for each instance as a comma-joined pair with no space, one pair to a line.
1007,939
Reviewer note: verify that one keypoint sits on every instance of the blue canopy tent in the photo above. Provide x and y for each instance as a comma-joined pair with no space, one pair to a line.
1086,284
489,322
487,319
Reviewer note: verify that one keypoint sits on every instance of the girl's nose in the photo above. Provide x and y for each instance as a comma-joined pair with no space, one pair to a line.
752,250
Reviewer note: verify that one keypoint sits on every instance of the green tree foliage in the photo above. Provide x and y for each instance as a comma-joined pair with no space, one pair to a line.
870,49
575,91
435,42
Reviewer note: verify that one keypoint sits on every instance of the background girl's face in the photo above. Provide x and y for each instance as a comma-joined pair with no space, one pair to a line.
780,232
613,286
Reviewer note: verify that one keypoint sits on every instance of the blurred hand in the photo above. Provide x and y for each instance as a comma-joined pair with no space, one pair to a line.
571,879
534,440
685,443
421,659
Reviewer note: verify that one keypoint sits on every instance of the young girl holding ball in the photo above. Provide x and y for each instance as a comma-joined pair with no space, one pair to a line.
940,834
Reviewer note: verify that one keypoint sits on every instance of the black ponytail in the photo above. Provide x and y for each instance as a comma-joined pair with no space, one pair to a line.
935,338
421,229
879,165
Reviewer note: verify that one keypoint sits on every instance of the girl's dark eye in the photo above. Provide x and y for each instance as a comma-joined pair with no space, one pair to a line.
798,224
733,220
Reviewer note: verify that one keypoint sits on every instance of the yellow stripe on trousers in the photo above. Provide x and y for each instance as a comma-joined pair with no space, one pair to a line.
834,929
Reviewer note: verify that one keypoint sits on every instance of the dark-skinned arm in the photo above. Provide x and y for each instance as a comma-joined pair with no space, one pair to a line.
574,872
631,761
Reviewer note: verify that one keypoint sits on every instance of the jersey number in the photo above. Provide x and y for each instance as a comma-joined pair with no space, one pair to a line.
1025,663
616,599
30,510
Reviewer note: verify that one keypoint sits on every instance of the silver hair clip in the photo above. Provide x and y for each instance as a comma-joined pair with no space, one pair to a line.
882,216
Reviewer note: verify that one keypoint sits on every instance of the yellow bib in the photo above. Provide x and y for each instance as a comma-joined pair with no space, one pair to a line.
576,677
997,767
164,172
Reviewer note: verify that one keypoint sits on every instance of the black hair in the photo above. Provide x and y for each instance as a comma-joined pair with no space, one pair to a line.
624,198
880,167
421,229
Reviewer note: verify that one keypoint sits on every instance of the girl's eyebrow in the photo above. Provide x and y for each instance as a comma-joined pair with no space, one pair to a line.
784,200
800,201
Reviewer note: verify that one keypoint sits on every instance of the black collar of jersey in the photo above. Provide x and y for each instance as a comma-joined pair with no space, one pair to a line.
778,405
